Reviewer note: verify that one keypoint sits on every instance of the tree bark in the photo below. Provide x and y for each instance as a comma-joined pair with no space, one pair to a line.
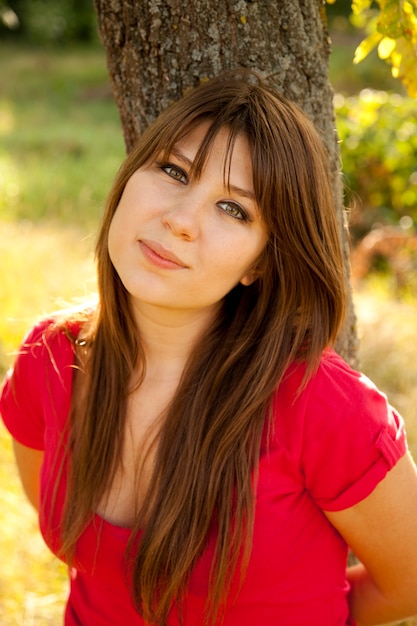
157,49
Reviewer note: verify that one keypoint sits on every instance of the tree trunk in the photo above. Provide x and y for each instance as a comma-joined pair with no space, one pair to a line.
157,49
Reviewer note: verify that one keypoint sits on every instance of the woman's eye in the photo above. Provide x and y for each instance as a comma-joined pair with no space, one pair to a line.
234,210
175,172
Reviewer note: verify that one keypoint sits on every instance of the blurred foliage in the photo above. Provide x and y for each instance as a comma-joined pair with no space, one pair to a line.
378,133
48,22
391,27
394,31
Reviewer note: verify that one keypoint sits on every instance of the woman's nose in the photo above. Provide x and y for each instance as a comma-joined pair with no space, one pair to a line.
184,219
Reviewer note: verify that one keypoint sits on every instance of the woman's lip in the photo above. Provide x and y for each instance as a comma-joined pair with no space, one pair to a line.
159,254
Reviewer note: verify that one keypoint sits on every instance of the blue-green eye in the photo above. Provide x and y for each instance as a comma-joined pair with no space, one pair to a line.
175,172
234,210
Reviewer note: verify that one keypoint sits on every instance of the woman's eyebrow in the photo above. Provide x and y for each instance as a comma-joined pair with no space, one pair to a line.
181,156
242,192
245,193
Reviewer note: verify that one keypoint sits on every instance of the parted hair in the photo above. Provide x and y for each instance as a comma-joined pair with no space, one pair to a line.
207,450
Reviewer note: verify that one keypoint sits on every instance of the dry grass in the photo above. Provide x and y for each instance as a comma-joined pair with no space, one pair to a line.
43,267
40,265
33,583
387,331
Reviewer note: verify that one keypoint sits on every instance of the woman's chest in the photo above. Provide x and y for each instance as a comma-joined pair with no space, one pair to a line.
125,495
295,552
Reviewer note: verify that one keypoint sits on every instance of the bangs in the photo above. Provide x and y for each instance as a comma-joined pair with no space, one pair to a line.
167,144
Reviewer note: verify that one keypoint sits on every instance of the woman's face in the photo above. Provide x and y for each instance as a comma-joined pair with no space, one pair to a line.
181,242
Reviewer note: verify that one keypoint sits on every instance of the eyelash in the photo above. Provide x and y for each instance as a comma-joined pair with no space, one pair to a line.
243,216
168,168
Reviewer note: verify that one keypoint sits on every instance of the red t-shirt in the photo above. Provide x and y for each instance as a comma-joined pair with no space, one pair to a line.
330,447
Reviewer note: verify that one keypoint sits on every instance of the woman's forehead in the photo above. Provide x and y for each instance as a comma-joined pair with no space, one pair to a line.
198,143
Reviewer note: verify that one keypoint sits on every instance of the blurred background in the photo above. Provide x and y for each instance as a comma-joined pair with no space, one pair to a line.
60,147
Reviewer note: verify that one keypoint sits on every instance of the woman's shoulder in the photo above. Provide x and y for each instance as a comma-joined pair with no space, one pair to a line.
38,385
49,345
336,404
59,329
43,331
339,428
345,392
333,382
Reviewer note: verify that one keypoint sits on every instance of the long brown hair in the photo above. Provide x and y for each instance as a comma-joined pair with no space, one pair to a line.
208,446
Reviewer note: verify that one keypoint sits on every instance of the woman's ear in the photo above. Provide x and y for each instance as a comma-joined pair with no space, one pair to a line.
250,277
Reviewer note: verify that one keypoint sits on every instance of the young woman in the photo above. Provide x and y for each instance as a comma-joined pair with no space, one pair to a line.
198,452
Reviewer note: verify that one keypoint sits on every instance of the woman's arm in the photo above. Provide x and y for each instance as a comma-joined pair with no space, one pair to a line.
382,532
29,463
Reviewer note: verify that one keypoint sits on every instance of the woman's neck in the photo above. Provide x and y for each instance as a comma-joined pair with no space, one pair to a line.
169,336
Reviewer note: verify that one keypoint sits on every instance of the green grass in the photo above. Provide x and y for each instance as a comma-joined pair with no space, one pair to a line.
60,135
60,146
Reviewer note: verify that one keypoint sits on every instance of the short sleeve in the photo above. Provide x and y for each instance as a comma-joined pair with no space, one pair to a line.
34,387
352,436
